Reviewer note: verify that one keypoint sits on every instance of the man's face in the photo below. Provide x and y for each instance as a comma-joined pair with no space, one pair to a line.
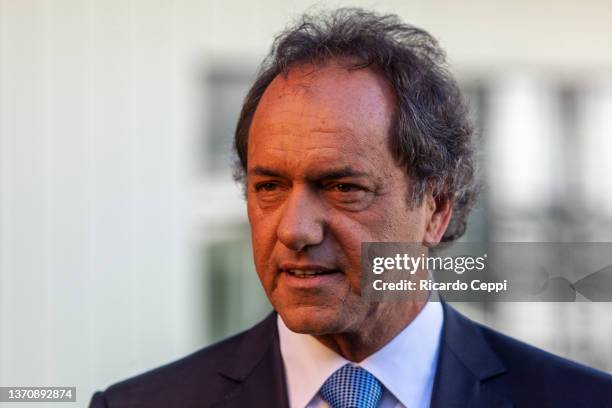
320,180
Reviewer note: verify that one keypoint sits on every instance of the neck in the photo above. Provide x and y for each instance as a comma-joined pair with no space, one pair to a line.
380,328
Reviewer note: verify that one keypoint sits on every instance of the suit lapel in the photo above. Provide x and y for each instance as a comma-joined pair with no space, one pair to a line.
465,365
257,370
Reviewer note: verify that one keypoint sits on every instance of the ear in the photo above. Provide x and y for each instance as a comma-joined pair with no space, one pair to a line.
439,210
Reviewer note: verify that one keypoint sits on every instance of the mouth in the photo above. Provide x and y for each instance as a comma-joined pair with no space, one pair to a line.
309,273
309,276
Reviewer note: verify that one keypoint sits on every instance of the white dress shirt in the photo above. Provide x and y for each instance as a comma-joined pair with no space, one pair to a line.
406,366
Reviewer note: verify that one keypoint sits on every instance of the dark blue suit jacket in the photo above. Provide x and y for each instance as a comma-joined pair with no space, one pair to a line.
477,367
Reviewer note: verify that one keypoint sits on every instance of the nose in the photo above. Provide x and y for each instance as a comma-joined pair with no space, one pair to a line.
302,222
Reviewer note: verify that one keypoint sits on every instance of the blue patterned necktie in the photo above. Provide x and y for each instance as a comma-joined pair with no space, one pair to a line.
351,387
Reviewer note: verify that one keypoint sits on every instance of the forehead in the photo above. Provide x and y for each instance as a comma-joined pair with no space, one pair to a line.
323,111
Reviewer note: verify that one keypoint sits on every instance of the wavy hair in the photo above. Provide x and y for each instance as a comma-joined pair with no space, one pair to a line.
431,136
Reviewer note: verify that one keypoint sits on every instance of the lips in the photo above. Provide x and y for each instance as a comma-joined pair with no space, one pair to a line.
309,273
308,276
307,269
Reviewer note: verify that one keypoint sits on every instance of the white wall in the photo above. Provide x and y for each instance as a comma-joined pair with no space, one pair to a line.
97,280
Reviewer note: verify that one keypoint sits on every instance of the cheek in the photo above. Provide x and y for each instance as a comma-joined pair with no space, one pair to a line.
375,224
259,222
262,251
398,222
348,232
381,223
263,235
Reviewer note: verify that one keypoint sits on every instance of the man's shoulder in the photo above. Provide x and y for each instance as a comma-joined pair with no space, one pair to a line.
188,381
525,360
508,371
200,364
532,374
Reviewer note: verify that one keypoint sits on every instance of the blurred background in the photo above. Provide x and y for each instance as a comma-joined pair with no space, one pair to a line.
123,240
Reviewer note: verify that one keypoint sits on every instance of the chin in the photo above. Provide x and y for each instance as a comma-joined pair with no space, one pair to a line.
314,320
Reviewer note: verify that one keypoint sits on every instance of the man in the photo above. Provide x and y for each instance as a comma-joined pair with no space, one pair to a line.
354,132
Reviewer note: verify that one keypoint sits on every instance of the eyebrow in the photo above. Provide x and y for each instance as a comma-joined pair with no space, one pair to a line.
265,171
330,174
339,173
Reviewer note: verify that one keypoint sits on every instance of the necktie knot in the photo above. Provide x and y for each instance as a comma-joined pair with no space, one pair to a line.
351,387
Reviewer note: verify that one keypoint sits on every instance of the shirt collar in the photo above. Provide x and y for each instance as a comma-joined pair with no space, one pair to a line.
405,366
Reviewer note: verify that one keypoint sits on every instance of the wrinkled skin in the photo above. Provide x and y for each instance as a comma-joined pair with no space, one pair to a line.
320,180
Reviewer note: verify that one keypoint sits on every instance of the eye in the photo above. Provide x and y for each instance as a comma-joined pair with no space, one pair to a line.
346,188
266,186
269,192
347,193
